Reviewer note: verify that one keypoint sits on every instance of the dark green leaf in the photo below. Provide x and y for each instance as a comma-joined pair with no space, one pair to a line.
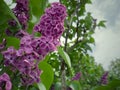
65,56
6,13
91,40
75,85
37,7
114,83
102,88
102,23
58,86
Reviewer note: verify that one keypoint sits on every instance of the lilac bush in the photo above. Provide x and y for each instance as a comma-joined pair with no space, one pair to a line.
33,49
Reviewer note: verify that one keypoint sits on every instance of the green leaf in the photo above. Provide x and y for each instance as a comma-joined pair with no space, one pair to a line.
89,2
6,13
33,88
65,56
102,88
75,85
114,83
46,57
102,23
48,75
57,86
111,86
41,86
12,41
91,40
37,7
88,21
15,82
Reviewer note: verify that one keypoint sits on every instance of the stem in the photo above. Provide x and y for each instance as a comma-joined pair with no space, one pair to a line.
27,87
66,38
77,27
63,74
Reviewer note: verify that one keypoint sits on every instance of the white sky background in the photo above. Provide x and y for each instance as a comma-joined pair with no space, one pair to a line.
107,39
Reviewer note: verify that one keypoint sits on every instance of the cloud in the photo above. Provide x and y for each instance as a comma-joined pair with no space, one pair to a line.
107,46
111,9
107,40
107,9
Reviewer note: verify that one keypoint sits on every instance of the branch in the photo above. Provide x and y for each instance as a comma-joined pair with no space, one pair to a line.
84,38
73,14
77,26
73,46
63,73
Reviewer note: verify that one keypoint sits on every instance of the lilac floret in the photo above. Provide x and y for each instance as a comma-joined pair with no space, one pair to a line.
5,82
43,45
33,76
77,76
10,56
104,78
25,44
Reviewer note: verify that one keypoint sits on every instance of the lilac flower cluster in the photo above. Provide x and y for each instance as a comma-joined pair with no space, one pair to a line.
5,83
33,49
104,79
77,76
21,12
51,23
23,60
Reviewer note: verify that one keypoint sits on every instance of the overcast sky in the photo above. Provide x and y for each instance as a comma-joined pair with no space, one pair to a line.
107,46
107,39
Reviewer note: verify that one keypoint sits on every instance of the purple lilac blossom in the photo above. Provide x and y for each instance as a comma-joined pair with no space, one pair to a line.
12,23
51,23
21,34
21,12
33,76
9,56
25,44
8,32
104,79
51,26
33,49
43,45
5,83
24,63
77,76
